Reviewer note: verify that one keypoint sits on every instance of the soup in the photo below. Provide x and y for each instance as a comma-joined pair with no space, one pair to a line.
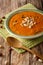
26,23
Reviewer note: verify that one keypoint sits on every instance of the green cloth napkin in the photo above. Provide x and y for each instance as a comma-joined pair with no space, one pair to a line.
26,42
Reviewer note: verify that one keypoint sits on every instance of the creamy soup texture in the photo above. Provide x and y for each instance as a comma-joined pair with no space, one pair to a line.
26,23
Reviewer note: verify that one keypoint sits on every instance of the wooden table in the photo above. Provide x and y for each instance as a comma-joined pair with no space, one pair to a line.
7,55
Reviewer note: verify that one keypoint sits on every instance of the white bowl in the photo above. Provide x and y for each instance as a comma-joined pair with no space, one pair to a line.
19,36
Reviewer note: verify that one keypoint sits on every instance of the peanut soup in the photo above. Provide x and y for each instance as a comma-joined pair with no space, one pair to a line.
26,23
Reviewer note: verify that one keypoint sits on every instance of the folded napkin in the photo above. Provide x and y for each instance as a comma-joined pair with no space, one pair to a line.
26,42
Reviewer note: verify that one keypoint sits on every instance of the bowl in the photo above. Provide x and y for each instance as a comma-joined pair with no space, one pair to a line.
19,36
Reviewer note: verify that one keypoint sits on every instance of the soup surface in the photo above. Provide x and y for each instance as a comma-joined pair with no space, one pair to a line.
26,23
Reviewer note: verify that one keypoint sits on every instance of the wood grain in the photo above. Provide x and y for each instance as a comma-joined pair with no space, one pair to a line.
11,57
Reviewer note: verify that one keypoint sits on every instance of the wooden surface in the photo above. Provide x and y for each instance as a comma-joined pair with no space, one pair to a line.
7,55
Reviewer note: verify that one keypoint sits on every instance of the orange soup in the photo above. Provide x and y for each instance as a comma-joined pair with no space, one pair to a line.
26,23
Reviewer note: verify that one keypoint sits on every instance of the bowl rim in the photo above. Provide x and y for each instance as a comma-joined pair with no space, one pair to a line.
16,35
